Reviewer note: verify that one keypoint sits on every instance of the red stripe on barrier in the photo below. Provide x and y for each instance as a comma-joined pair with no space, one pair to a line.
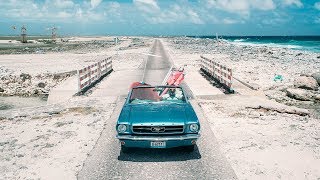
93,72
221,72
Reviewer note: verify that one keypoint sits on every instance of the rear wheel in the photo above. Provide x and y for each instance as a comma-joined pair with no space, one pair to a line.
124,149
189,148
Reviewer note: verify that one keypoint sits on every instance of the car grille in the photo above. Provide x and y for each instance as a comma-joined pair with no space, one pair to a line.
176,129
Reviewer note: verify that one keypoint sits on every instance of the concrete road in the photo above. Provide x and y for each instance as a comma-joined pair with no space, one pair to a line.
106,161
157,65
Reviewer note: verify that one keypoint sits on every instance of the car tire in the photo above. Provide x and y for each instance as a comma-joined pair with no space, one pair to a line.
124,149
189,148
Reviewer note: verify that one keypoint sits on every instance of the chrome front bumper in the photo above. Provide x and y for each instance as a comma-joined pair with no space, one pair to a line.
158,138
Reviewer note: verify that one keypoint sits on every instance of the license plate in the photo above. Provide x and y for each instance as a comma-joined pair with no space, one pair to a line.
158,144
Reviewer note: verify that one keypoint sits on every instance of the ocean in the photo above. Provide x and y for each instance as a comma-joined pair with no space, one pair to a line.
305,43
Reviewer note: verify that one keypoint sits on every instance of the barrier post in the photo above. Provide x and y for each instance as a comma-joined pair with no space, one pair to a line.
218,72
99,69
89,74
79,82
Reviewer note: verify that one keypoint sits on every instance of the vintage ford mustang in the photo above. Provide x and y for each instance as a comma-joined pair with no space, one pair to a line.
157,117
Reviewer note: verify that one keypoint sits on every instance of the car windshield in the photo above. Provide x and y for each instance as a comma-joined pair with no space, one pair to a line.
157,94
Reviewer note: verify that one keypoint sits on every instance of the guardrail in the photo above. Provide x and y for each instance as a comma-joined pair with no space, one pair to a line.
91,74
218,72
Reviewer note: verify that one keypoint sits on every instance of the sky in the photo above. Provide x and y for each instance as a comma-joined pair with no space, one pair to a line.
162,17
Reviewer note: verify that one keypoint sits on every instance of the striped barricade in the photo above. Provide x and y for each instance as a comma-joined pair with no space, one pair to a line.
218,71
91,74
106,65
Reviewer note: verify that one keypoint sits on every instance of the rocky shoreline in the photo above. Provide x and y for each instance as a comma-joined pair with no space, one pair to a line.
27,85
291,77
259,132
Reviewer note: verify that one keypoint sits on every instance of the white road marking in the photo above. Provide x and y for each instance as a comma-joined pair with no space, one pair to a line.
144,70
151,55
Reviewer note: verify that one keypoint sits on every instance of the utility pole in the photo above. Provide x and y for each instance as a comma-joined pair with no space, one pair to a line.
14,28
23,34
54,33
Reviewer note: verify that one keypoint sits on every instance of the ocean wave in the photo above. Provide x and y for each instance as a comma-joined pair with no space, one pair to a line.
289,46
238,40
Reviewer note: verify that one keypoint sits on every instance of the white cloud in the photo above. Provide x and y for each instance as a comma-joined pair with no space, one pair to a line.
95,3
230,5
15,9
151,11
317,5
152,3
62,3
229,21
64,14
264,5
194,17
114,5
148,6
297,3
241,6
174,14
113,8
79,13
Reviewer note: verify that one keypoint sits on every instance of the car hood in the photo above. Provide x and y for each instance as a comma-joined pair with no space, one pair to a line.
157,114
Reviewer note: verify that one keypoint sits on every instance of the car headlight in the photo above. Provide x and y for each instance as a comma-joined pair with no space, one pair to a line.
194,127
122,128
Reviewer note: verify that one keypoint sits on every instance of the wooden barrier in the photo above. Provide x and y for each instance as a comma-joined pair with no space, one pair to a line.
219,72
91,74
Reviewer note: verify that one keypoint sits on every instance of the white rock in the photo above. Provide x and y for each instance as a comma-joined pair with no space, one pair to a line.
316,76
306,83
300,94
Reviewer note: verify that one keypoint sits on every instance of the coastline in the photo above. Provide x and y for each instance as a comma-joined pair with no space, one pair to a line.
258,136
309,43
254,133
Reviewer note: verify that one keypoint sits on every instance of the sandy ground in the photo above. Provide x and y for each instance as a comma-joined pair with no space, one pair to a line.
9,41
66,61
53,62
262,144
261,138
52,141
21,74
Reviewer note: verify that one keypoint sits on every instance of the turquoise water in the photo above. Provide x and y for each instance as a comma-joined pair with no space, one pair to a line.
305,43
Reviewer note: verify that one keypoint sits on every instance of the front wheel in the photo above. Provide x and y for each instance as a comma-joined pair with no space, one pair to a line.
124,149
189,148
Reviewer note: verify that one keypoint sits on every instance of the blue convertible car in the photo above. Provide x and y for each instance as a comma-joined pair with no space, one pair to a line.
157,117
